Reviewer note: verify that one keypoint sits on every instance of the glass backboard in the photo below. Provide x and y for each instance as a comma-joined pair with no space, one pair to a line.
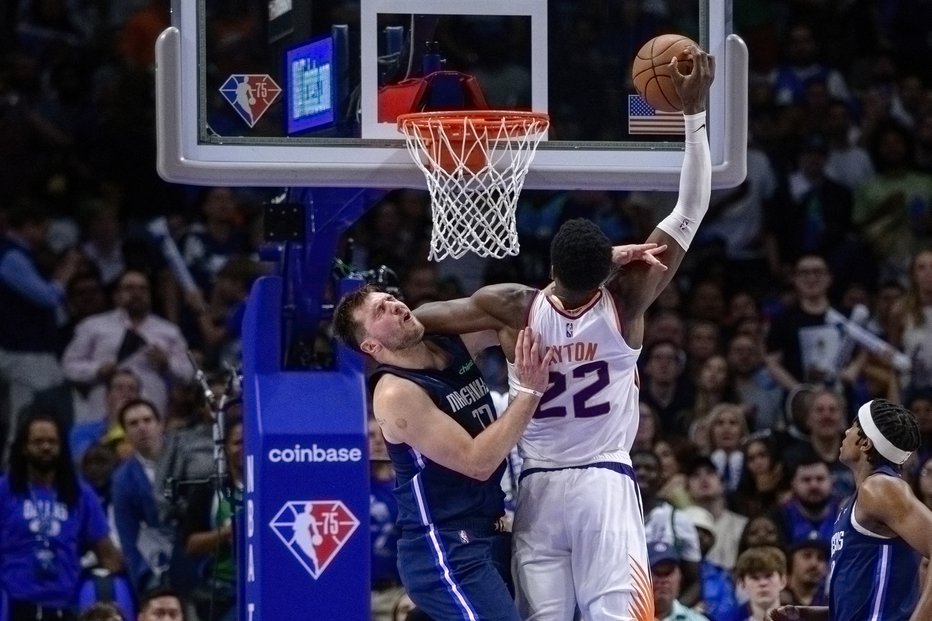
305,92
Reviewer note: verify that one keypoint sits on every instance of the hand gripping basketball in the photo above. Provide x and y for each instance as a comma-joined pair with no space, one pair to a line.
692,88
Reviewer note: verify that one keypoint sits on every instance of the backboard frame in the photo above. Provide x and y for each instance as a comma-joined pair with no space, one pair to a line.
385,163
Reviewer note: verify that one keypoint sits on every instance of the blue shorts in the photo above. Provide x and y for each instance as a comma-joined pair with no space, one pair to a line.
459,574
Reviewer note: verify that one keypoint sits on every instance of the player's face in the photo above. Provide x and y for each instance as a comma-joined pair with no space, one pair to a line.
850,451
388,323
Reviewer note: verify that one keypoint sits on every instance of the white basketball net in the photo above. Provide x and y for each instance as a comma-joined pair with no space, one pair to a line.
475,182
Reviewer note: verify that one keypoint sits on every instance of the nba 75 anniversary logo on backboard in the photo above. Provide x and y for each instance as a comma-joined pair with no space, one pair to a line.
314,531
250,95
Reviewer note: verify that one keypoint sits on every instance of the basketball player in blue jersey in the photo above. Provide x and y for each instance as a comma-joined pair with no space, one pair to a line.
578,529
881,532
448,450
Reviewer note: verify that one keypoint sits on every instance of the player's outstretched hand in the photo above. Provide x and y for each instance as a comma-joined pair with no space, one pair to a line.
622,255
532,368
693,87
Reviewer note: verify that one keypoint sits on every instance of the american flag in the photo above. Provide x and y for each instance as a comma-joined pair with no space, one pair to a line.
642,119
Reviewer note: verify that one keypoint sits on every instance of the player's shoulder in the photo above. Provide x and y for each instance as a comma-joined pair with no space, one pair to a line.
390,386
881,493
505,299
880,483
505,291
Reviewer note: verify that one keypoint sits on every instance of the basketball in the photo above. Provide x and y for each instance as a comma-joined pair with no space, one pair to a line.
650,70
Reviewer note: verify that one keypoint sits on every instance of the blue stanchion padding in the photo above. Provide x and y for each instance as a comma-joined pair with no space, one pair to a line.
305,541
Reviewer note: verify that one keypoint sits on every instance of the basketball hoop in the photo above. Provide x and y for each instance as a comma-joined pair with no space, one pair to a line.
475,163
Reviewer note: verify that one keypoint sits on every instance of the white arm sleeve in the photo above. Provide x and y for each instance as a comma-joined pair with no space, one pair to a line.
695,184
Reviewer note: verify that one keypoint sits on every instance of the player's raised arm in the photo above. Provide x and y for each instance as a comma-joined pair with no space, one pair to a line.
642,282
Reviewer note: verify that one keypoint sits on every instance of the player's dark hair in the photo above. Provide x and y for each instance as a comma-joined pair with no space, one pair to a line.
345,325
897,424
581,255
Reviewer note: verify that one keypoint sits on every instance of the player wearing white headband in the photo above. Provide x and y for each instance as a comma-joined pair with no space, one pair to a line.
874,573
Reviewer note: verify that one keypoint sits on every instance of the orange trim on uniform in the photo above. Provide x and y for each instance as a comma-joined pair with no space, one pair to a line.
642,601
575,313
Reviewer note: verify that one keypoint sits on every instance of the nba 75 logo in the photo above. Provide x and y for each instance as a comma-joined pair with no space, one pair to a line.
314,531
250,94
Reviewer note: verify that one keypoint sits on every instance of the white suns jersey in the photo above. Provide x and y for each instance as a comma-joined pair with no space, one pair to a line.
590,410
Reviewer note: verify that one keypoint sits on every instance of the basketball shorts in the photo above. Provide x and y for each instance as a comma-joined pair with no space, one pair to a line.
579,541
459,574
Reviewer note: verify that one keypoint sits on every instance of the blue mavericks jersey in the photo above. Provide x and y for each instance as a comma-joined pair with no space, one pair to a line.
873,578
429,493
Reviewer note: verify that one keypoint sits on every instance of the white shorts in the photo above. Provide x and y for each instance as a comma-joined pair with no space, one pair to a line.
578,539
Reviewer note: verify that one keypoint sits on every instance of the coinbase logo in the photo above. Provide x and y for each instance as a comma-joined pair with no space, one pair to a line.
299,454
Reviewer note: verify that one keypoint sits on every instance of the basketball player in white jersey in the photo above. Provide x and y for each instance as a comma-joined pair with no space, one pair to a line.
578,530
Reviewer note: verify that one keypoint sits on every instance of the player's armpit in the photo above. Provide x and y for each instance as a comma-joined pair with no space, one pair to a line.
477,341
891,503
639,283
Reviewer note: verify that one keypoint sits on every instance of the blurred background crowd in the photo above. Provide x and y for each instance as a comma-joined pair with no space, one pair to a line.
748,382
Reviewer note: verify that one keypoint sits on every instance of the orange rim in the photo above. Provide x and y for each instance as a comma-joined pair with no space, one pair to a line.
479,118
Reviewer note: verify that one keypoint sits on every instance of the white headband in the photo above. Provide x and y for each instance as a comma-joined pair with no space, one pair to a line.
883,446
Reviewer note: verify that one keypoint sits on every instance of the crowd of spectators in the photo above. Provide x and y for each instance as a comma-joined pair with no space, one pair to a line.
747,380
